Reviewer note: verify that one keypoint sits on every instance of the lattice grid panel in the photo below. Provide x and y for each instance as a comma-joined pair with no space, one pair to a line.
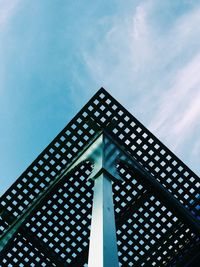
24,254
63,221
150,234
56,210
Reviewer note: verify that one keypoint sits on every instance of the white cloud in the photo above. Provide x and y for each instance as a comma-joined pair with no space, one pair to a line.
140,28
7,9
179,106
156,73
195,150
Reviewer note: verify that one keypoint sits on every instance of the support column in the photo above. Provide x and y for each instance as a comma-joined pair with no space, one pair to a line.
103,242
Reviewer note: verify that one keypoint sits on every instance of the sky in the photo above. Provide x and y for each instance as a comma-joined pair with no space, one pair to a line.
54,55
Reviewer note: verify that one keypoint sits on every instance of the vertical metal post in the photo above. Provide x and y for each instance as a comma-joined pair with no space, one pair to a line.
103,242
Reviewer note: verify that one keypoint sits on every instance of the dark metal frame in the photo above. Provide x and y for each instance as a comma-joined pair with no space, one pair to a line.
151,230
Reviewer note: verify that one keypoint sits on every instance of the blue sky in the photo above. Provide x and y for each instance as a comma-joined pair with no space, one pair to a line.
54,55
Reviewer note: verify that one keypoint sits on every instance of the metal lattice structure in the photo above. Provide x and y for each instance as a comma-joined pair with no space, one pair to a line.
46,214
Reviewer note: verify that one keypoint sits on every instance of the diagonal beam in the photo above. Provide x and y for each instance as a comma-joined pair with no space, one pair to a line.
156,188
135,169
37,242
139,172
15,225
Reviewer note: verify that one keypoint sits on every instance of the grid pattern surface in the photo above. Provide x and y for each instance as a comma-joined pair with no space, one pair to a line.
149,233
23,253
67,205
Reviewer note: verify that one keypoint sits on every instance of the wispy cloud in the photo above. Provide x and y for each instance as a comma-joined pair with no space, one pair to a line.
177,118
154,71
146,53
7,9
179,108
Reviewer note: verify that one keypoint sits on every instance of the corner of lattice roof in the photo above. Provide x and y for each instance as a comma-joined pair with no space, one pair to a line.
46,214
